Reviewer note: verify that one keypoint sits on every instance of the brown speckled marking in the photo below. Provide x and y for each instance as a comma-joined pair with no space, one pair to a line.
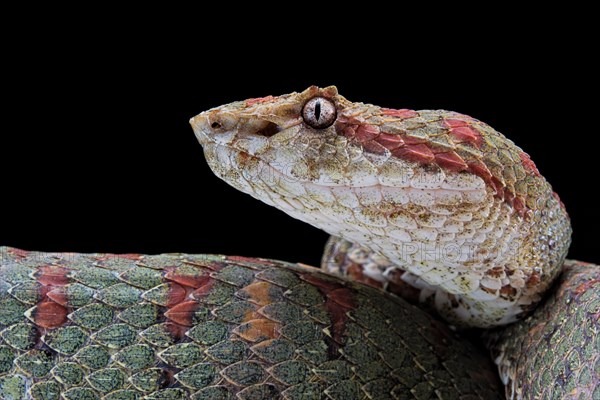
205,289
48,313
338,301
183,313
194,281
52,276
260,329
255,326
258,293
176,294
58,296
181,287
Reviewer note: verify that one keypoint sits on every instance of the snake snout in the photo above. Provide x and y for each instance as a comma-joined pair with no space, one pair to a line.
212,124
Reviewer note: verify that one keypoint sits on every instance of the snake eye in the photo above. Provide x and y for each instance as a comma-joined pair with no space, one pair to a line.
319,113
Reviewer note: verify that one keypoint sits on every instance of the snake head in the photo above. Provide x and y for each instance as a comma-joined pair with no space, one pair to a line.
293,138
437,193
315,148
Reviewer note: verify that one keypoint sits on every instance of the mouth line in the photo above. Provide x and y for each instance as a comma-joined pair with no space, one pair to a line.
246,155
274,172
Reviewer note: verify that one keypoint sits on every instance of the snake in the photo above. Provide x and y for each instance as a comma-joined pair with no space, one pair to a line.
449,217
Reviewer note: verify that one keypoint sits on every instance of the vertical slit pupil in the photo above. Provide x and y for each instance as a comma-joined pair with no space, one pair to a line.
318,110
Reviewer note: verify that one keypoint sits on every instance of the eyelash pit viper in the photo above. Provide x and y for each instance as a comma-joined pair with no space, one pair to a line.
432,205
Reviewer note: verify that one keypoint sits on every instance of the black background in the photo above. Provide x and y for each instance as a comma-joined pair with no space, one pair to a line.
97,153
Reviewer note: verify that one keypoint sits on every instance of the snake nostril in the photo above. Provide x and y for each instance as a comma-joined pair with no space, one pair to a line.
220,121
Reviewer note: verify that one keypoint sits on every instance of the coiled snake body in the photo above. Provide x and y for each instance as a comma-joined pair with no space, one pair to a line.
433,205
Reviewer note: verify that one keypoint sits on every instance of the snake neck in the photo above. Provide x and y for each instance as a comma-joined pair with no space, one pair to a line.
478,267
